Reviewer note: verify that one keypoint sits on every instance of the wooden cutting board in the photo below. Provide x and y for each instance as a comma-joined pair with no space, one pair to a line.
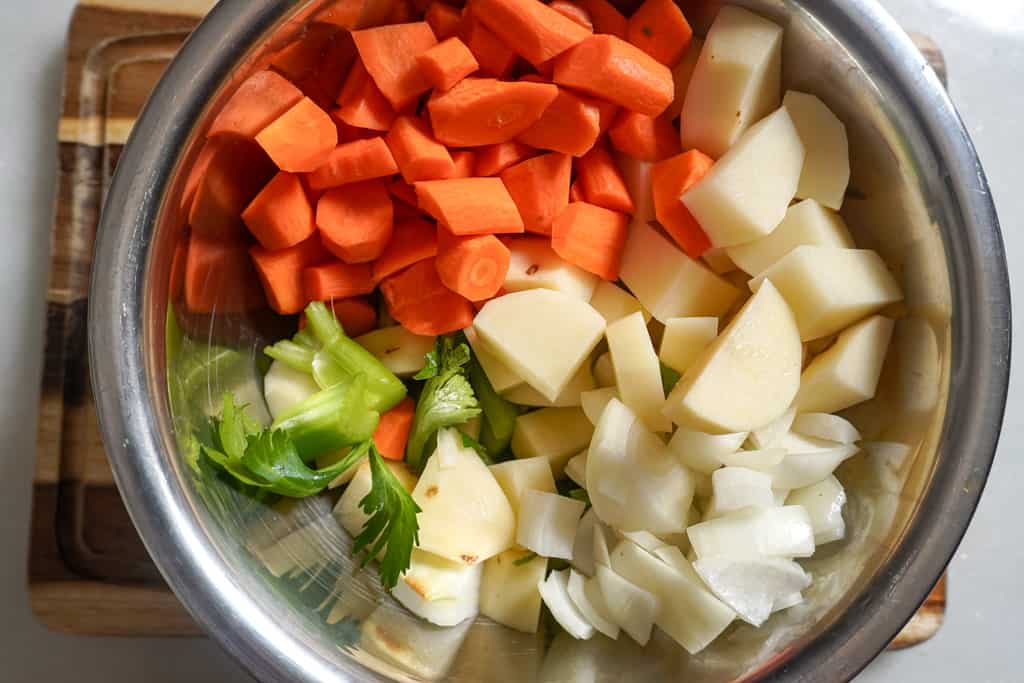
89,572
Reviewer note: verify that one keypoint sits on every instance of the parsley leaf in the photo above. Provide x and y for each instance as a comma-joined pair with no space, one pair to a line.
392,526
431,367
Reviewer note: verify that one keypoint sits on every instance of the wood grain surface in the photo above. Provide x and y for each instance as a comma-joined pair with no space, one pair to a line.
88,570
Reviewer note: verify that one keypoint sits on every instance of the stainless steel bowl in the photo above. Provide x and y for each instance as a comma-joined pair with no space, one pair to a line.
918,195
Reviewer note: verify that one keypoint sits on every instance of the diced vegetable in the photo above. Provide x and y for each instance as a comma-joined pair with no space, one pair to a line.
637,373
571,10
362,104
571,124
555,592
473,266
485,111
280,216
336,280
540,189
389,54
501,378
576,469
508,593
470,206
392,431
356,221
531,28
219,277
418,299
233,171
595,401
704,452
648,138
798,470
735,488
356,315
670,178
826,171
763,460
582,381
750,533
631,607
752,586
614,303
591,604
285,387
398,349
547,523
257,102
772,433
447,63
534,264
493,159
826,426
824,503
605,17
516,477
418,155
348,512
280,272
494,56
659,28
330,419
556,434
442,592
637,175
352,162
604,373
444,19
682,73
412,241
590,237
685,339
301,139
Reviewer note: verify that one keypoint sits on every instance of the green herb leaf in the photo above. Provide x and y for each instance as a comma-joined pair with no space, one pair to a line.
481,450
392,526
525,559
273,458
580,494
431,367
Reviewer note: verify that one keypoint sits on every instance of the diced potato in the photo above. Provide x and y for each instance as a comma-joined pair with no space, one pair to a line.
755,532
582,381
553,433
830,288
669,283
594,402
604,373
438,590
345,477
284,386
516,477
703,452
684,339
508,592
752,586
637,373
547,523
746,193
465,515
399,639
613,302
737,80
501,377
847,373
637,175
826,171
347,511
542,335
681,75
824,503
806,222
398,349
534,264
748,376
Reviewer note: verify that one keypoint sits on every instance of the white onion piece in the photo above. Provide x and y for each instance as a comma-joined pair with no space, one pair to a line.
601,541
800,443
703,452
578,594
631,607
824,504
734,488
547,523
761,460
755,532
554,591
644,539
751,586
780,496
826,426
798,470
594,402
787,601
438,590
583,544
576,469
772,433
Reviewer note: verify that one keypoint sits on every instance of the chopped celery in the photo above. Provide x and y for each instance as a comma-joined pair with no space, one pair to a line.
330,419
499,414
295,356
669,377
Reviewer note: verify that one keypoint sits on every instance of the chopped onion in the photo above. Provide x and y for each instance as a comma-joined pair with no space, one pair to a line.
762,460
644,539
583,544
630,606
751,586
826,426
601,540
734,488
554,591
703,452
755,532
547,523
770,435
597,617
787,601
798,470
576,469
824,504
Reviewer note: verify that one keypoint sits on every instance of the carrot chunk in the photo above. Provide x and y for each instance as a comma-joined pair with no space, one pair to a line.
670,178
607,111
303,55
402,12
418,300
485,111
324,82
259,100
470,206
220,277
444,19
176,278
280,216
465,163
570,124
337,280
196,173
602,183
389,54
531,28
644,137
610,68
494,56
418,155
280,272
572,11
301,139
605,17
235,171
576,192
540,189
402,191
474,267
356,220
356,315
591,237
659,28
353,162
412,241
447,63
493,159
361,103
393,429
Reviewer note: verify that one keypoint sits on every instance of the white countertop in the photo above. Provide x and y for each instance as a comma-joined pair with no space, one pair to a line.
983,41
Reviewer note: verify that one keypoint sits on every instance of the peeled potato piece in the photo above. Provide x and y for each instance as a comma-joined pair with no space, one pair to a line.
826,171
534,264
438,590
684,339
508,590
637,373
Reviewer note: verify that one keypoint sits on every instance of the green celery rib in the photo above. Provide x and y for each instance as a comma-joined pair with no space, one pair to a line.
293,355
499,414
330,419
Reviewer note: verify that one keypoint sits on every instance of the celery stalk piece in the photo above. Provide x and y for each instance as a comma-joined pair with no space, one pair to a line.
499,414
295,356
330,419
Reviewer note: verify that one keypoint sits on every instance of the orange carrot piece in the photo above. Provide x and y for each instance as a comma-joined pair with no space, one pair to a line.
402,12
301,139
361,103
196,173
531,28
601,182
465,163
337,280
607,111
412,241
485,111
324,82
470,206
356,315
670,178
418,300
348,14
257,102
494,56
356,220
570,124
280,216
474,267
591,237
444,19
447,63
540,189
644,137
392,433
659,28
572,11
612,69
477,305
353,162
280,272
402,191
300,57
605,17
418,155
237,169
404,212
220,277
347,133
576,192
493,159
176,279
389,54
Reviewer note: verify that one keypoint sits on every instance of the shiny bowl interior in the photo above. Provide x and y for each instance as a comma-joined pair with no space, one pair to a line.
275,585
